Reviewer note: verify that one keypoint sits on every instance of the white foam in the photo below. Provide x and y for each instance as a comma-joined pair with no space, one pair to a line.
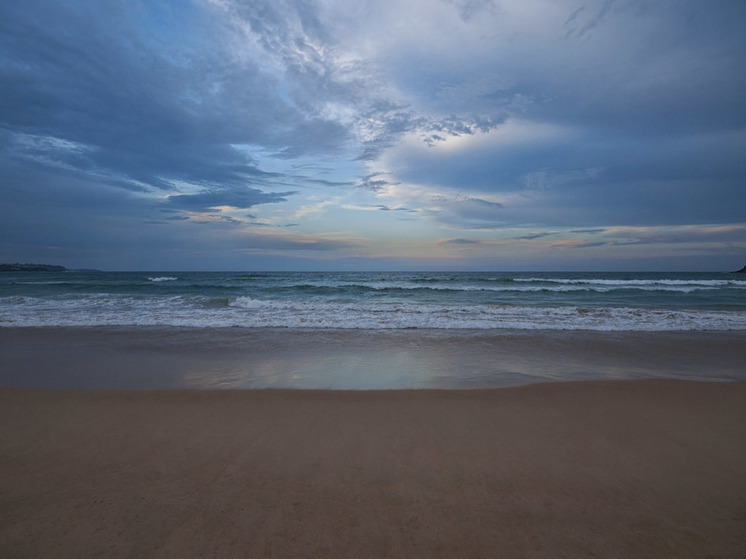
636,283
536,285
247,303
163,278
202,311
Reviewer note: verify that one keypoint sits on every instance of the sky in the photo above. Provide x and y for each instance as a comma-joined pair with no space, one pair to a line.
373,135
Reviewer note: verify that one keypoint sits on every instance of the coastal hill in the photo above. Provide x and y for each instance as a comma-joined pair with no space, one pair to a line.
31,268
741,271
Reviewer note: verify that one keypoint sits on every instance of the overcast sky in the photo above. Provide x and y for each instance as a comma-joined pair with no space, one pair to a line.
381,134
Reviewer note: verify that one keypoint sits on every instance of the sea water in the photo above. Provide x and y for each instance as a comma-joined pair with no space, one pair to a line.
377,300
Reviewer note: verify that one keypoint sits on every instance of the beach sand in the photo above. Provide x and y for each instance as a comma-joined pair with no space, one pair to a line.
652,468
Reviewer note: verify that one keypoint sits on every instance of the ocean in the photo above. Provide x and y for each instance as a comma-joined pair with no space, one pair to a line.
377,300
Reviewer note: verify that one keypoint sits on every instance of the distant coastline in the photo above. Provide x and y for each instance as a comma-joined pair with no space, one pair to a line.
17,267
31,268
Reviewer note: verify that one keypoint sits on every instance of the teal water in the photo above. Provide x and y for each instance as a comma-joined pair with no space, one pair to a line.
464,300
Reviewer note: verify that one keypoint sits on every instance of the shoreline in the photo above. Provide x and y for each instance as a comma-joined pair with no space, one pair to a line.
152,358
649,468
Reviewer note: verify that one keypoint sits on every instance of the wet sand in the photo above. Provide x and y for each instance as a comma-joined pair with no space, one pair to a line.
246,358
580,469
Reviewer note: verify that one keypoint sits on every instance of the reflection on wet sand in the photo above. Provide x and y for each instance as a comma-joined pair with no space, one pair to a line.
234,358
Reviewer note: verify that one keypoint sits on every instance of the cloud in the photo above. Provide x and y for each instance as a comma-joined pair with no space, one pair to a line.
469,9
683,234
467,211
577,244
578,25
527,116
236,199
459,242
374,182
86,87
534,236
588,231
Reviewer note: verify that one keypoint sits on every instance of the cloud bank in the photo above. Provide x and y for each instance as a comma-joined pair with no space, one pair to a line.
197,133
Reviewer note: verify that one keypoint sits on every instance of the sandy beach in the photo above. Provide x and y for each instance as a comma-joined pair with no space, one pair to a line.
583,469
